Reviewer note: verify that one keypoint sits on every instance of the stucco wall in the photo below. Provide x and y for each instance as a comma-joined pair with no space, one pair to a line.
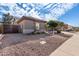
27,26
42,27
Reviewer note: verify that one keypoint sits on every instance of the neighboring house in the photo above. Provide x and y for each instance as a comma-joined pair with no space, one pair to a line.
31,24
76,28
67,27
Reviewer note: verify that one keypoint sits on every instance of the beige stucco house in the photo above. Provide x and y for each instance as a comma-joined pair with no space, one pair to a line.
31,24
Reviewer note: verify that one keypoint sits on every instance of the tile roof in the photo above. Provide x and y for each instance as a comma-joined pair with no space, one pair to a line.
30,18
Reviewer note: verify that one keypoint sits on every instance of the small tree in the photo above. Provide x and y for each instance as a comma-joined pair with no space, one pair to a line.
52,24
60,25
6,19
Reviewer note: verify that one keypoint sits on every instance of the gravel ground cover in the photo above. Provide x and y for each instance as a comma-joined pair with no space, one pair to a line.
30,45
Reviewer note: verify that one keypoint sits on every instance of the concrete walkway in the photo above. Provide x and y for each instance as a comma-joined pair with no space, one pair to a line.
69,48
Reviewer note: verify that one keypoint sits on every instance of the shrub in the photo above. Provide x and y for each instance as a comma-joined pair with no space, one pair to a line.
58,31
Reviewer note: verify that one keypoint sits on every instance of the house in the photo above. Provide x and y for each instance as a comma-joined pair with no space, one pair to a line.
31,24
67,27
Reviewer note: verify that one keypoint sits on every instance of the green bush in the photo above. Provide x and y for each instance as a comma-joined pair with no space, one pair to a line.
58,31
37,32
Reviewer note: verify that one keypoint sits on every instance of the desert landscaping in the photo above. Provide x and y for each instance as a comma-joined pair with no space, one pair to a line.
39,29
31,45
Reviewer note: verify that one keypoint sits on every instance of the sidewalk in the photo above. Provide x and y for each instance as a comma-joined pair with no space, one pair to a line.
69,48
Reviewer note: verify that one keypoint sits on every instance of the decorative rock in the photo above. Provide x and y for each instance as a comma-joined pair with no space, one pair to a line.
42,42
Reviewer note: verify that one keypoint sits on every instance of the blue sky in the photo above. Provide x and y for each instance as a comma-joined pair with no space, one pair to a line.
72,16
66,12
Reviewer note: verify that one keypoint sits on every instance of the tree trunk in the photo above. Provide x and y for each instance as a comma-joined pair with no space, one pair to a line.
53,31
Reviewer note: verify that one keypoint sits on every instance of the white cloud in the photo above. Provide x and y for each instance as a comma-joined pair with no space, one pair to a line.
61,9
56,10
50,17
34,14
24,5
